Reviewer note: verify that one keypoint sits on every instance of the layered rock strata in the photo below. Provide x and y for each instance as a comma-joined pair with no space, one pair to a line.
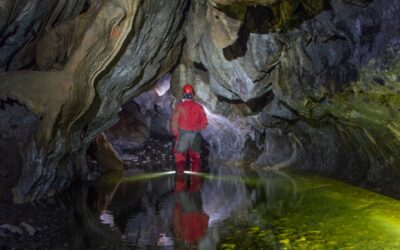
119,48
317,80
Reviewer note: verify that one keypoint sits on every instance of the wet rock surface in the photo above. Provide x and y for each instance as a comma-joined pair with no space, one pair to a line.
33,226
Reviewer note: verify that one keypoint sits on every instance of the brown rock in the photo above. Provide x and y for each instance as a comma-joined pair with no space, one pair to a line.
105,154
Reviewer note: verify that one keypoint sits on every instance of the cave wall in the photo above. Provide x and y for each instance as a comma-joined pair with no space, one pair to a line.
17,129
316,80
24,23
119,48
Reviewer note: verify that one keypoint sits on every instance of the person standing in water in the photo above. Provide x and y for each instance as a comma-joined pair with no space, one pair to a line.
188,120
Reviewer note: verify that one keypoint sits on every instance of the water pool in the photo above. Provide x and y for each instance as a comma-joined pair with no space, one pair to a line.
231,208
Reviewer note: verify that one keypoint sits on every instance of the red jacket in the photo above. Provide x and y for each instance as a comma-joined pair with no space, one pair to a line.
188,115
190,227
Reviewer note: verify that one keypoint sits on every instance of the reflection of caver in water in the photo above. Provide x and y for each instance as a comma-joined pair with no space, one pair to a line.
190,222
188,120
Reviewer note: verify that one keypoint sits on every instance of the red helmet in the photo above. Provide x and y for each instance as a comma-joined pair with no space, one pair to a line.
188,89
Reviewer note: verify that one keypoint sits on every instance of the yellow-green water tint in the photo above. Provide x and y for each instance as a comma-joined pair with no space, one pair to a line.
327,215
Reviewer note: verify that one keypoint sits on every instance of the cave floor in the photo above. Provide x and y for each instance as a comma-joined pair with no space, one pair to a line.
32,226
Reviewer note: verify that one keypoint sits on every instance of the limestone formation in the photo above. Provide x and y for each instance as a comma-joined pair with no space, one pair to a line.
106,155
131,131
75,104
313,70
22,24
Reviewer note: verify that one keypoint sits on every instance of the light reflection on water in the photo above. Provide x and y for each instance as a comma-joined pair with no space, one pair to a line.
221,210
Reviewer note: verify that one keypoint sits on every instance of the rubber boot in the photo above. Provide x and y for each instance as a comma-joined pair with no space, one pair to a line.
195,161
180,182
180,159
195,183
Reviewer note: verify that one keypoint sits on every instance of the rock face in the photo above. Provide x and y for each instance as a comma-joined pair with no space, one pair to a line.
105,154
119,47
17,130
229,2
24,23
317,79
130,132
146,115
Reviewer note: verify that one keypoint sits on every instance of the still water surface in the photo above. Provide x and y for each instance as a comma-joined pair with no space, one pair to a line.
230,208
